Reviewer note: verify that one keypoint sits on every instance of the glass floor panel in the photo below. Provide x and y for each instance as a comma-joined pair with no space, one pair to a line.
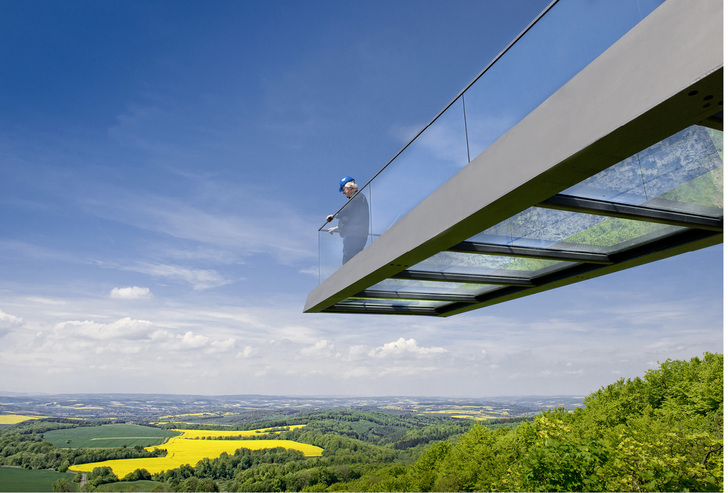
415,289
407,286
615,235
683,173
377,302
472,263
551,229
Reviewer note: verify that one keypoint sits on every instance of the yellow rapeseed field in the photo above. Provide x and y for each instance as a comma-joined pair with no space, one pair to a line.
191,447
13,419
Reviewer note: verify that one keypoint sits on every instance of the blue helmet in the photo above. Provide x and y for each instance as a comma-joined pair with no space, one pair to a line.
344,181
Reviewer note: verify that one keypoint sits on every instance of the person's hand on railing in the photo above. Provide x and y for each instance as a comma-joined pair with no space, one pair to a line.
329,218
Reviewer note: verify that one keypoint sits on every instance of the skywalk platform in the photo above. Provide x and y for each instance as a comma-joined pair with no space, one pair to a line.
618,166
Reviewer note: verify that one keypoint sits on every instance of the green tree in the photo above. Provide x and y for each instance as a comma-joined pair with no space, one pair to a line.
137,475
423,473
558,457
479,460
62,484
101,475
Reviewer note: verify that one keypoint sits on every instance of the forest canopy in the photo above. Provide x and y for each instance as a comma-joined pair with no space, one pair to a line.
663,432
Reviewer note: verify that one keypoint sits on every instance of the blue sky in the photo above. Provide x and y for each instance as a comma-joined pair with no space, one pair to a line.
165,166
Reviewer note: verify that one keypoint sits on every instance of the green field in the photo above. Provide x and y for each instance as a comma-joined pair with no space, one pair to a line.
105,436
17,479
133,486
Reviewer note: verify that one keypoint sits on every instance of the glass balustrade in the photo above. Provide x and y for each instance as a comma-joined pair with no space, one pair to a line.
558,44
433,158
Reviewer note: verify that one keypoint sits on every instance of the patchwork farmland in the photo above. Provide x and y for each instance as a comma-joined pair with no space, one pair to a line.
193,446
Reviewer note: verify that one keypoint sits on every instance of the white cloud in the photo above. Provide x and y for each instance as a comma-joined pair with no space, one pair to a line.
313,270
200,279
46,301
246,352
125,329
665,346
160,335
357,351
402,347
222,346
9,322
194,341
321,348
132,293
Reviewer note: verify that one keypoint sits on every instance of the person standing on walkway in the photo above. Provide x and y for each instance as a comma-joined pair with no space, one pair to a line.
353,219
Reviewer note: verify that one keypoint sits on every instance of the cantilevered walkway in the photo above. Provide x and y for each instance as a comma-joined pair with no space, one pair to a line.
609,161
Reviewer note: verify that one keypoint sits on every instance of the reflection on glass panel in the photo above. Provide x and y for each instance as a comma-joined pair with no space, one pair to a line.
330,250
405,286
614,235
572,231
495,265
412,286
379,303
562,43
537,227
682,173
541,228
433,158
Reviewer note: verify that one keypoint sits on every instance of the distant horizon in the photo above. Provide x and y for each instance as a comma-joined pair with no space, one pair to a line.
291,396
101,406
